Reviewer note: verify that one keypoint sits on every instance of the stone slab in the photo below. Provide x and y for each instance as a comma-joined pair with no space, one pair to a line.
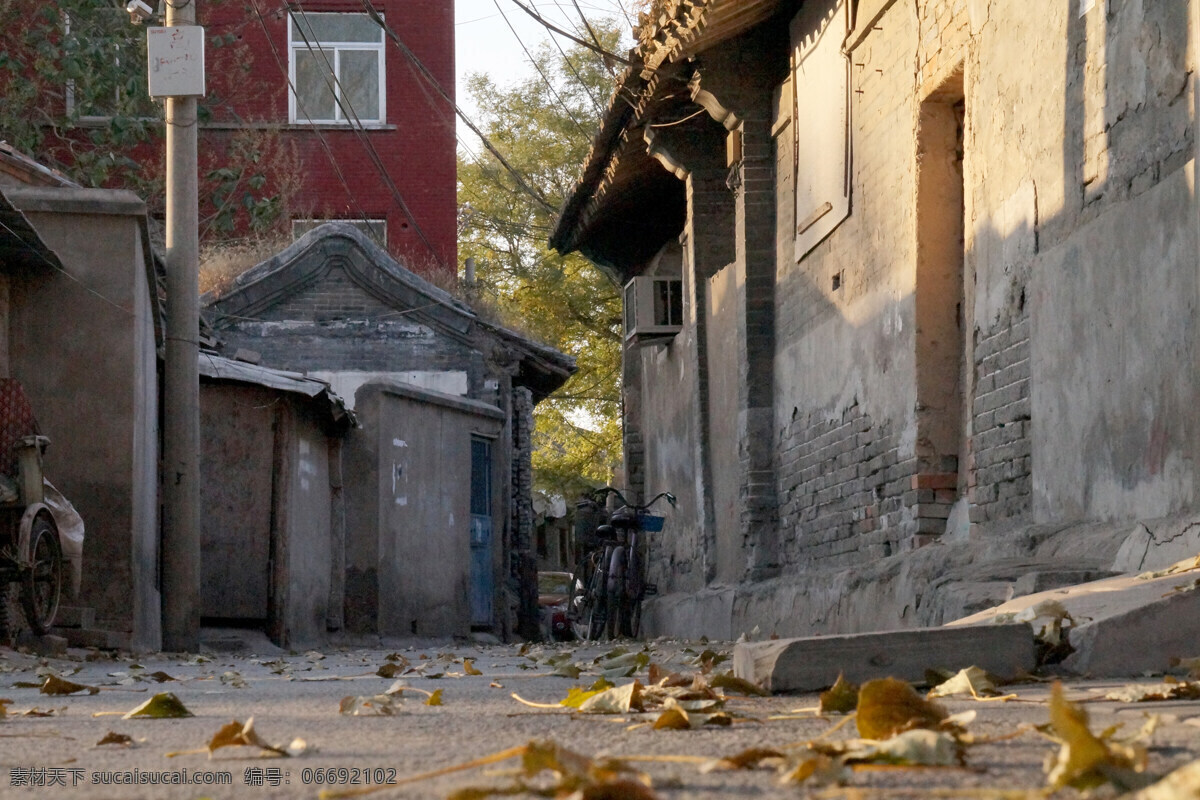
75,617
1125,625
46,645
813,663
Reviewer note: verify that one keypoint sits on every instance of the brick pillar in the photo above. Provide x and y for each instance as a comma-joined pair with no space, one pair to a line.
525,560
735,83
695,151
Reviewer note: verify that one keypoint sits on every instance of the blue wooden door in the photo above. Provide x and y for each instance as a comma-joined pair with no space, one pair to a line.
481,532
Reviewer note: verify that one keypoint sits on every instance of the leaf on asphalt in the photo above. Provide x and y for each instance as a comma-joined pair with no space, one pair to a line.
818,769
1145,693
163,705
618,700
675,716
1086,761
747,759
49,712
841,698
972,681
1051,623
4,704
709,659
58,686
235,734
567,670
888,706
1192,665
434,699
469,667
197,660
622,660
616,790
112,737
389,670
234,679
159,677
731,683
1184,782
576,696
384,705
314,656
914,748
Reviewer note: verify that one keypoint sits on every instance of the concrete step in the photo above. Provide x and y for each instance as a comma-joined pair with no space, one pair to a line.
75,617
95,637
812,663
1123,626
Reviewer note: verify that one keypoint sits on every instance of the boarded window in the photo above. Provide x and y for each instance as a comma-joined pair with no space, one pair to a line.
822,121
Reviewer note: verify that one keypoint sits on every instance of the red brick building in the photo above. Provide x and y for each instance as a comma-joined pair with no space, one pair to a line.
361,134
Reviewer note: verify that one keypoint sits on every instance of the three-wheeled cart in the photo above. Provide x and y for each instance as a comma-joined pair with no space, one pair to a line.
34,554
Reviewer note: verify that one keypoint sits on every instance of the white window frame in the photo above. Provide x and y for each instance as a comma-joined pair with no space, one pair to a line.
296,114
821,125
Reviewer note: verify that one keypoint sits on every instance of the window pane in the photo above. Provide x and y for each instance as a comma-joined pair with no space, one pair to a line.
314,100
360,82
335,28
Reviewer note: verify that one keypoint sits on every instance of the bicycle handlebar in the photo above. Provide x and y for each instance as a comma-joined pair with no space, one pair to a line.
599,494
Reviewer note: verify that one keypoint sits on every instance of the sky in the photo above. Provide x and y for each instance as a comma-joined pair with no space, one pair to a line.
484,43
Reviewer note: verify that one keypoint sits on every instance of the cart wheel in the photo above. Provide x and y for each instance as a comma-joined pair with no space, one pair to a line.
41,585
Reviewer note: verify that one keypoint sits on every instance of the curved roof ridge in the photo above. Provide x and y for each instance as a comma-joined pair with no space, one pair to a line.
375,254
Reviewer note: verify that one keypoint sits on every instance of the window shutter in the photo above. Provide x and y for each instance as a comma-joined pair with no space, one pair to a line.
822,121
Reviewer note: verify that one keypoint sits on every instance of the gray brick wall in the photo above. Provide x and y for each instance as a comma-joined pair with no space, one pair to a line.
1000,481
844,490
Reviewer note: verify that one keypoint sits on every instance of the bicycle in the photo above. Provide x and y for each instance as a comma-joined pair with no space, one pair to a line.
610,581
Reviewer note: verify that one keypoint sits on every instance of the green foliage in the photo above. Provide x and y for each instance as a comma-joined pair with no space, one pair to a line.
73,83
65,65
563,301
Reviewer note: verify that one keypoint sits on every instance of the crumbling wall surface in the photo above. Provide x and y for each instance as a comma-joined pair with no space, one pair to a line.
672,463
308,534
1114,350
82,344
1080,239
333,325
844,391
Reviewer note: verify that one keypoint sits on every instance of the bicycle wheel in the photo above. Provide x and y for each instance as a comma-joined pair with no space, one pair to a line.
578,605
597,619
41,585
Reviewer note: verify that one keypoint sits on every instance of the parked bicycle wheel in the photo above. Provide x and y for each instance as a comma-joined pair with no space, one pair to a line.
597,620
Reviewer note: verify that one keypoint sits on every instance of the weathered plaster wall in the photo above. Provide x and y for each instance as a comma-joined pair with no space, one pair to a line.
1075,323
844,365
237,493
408,510
308,534
666,373
82,344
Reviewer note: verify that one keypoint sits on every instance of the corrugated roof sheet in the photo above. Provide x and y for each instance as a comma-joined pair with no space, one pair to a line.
219,368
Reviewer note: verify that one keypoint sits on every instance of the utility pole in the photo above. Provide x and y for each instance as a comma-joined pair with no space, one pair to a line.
181,400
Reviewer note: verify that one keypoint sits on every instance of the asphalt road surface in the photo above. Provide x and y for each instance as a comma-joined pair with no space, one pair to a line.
297,696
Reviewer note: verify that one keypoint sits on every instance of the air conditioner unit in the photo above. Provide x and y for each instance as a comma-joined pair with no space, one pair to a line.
653,309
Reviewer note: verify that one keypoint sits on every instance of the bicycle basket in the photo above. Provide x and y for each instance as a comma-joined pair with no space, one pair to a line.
652,523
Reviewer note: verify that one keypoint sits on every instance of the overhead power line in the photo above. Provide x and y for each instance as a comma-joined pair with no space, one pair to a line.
548,25
545,79
433,81
320,136
338,92
592,33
